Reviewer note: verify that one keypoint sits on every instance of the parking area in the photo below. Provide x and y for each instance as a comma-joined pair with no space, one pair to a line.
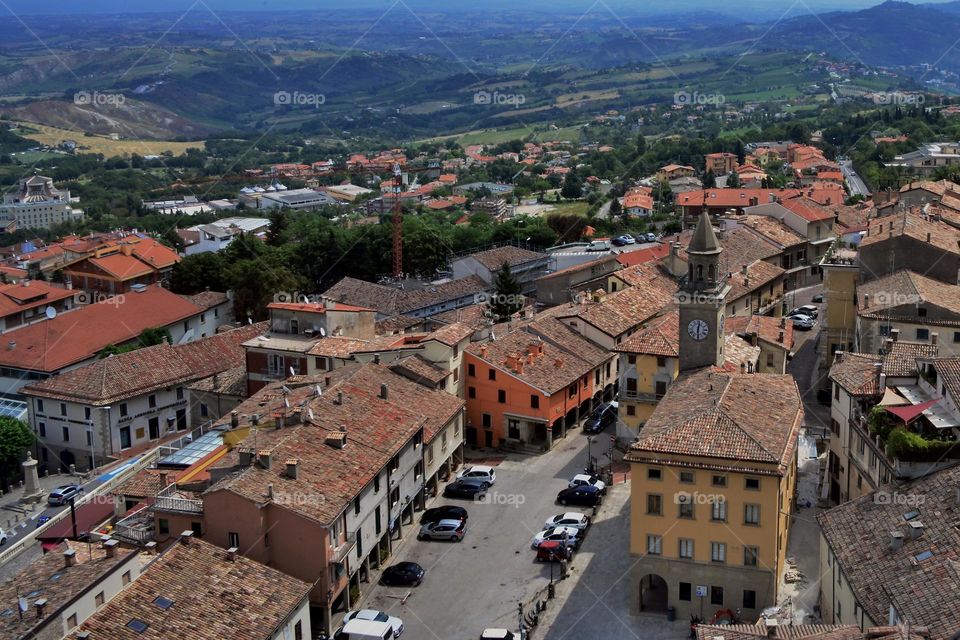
478,582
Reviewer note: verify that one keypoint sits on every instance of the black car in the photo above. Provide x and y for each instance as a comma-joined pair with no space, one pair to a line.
601,418
584,496
445,512
403,574
466,488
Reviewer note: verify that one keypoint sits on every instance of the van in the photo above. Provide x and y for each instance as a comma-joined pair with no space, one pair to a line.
599,245
365,630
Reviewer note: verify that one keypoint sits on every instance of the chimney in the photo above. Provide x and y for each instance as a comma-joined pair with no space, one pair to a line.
151,547
384,393
743,367
255,419
558,363
928,236
883,381
519,365
216,380
246,457
40,604
771,625
888,345
339,398
376,358
263,457
483,351
337,439
934,337
186,537
292,465
743,269
896,540
916,529
12,345
326,380
234,420
232,554
69,558
754,339
110,547
163,478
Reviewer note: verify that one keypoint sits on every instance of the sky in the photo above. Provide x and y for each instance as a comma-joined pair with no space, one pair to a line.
749,7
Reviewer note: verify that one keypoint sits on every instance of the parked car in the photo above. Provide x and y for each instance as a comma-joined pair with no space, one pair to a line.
818,298
498,634
480,472
571,519
365,630
63,493
811,310
584,479
42,520
452,530
599,245
557,534
601,418
553,551
584,496
651,237
378,616
625,239
466,488
802,322
444,512
403,574
3,537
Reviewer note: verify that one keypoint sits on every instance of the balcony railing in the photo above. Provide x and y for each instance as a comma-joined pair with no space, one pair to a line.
136,527
640,396
169,500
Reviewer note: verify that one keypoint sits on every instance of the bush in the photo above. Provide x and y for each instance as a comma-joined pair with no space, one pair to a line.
906,445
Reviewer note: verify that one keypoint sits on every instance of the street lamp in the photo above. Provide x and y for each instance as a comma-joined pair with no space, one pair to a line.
589,455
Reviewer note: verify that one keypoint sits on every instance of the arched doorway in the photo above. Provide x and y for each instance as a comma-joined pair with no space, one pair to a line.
66,459
653,594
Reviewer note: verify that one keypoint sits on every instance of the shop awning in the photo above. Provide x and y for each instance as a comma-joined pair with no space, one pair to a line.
893,399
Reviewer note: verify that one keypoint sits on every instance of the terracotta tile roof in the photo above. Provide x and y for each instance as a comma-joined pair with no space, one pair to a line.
759,275
473,315
728,416
584,266
420,370
146,483
390,301
415,299
948,370
901,357
776,331
396,323
52,580
807,209
772,229
377,429
557,333
213,598
739,354
623,310
647,275
941,235
51,345
31,294
144,370
731,197
661,337
493,259
337,347
643,256
550,370
896,296
122,267
921,589
232,382
798,632
208,299
365,294
451,334
857,373
153,252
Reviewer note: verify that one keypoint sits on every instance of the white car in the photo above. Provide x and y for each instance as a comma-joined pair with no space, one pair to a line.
377,616
570,519
3,537
498,634
581,479
558,534
480,472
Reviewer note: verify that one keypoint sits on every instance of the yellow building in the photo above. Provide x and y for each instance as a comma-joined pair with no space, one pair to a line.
713,480
649,363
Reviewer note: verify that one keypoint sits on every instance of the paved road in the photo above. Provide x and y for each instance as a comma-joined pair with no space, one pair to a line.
570,258
477,583
856,184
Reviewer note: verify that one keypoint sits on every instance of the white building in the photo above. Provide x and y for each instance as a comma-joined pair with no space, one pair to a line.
37,204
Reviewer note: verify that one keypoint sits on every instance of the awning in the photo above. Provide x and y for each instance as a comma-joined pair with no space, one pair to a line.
893,399
911,412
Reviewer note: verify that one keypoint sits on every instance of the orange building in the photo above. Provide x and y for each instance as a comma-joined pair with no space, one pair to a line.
523,390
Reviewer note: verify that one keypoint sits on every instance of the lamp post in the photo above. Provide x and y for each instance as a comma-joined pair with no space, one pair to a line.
109,429
589,455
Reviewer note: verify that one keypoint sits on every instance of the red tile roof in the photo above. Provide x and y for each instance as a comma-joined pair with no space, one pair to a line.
314,307
807,209
121,266
643,256
19,297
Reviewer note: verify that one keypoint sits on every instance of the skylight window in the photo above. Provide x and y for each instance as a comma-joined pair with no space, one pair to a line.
138,625
911,515
163,603
920,557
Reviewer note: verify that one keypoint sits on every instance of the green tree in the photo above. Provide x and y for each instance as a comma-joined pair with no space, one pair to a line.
615,207
197,272
709,180
279,221
641,145
733,180
15,439
572,189
507,299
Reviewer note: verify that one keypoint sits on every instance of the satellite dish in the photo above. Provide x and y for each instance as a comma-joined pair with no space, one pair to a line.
317,388
310,412
292,372
286,403
50,312
323,332
249,320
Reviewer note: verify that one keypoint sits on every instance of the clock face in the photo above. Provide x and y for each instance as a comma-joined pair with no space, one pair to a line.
698,329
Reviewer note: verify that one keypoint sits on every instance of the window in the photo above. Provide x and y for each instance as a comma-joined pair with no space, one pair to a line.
123,409
923,334
471,370
719,511
356,506
86,413
99,599
501,396
686,548
686,591
164,525
42,427
956,336
39,406
719,481
492,374
89,439
750,556
654,545
233,540
471,392
572,390
179,393
152,401
749,599
298,630
686,507
63,408
534,401
686,477
660,388
922,312
718,552
716,595
752,483
654,474
125,579
72,621
631,410
836,391
487,421
654,504
204,410
631,359
661,361
66,434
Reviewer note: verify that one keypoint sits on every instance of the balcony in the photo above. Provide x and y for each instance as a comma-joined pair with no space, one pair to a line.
170,499
640,396
136,527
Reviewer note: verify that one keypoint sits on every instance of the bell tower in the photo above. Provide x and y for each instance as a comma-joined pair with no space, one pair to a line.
702,300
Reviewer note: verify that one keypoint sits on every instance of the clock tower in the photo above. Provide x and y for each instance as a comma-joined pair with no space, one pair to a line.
702,300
